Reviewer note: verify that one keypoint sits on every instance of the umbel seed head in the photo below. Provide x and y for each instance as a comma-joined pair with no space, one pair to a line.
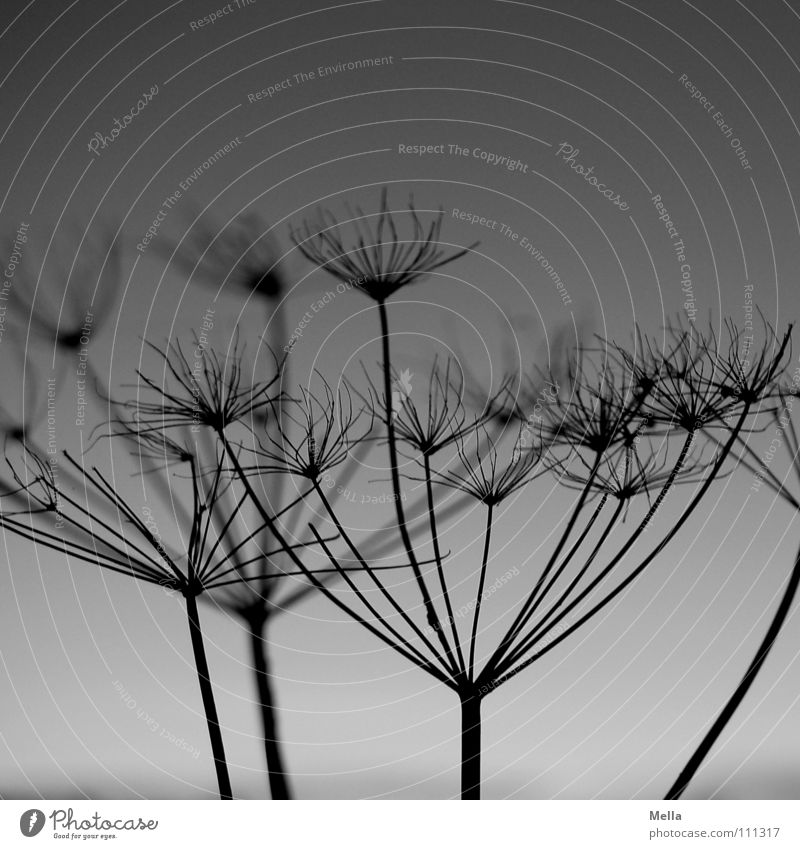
376,259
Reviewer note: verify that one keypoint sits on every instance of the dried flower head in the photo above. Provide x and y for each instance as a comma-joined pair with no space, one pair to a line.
676,382
750,375
317,433
483,474
377,262
82,532
208,391
598,408
101,527
441,419
629,470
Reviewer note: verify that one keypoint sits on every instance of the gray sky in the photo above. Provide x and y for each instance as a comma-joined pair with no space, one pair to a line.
651,98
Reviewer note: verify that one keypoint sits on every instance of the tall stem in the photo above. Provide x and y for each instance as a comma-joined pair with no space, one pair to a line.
209,705
439,566
278,777
725,716
470,746
430,610
481,583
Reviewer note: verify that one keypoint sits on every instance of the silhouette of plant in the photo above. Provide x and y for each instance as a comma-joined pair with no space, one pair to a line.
207,392
244,257
616,428
757,380
210,560
378,262
144,559
209,398
609,434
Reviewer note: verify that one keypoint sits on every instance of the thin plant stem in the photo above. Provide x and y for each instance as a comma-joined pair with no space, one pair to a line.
481,583
543,593
541,628
726,714
627,545
688,511
515,651
761,470
522,617
400,649
433,618
439,565
410,650
610,566
370,571
131,567
276,576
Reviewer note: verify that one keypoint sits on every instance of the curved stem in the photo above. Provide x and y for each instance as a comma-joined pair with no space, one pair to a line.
242,476
668,537
523,615
370,570
537,633
727,712
278,777
544,591
209,705
760,470
430,610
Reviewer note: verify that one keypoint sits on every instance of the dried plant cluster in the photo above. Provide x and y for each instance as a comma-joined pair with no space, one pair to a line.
621,428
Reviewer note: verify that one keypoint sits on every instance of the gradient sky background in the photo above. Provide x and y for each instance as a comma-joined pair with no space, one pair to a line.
615,711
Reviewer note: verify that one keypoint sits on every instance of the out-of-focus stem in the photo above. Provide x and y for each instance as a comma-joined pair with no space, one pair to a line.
278,777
